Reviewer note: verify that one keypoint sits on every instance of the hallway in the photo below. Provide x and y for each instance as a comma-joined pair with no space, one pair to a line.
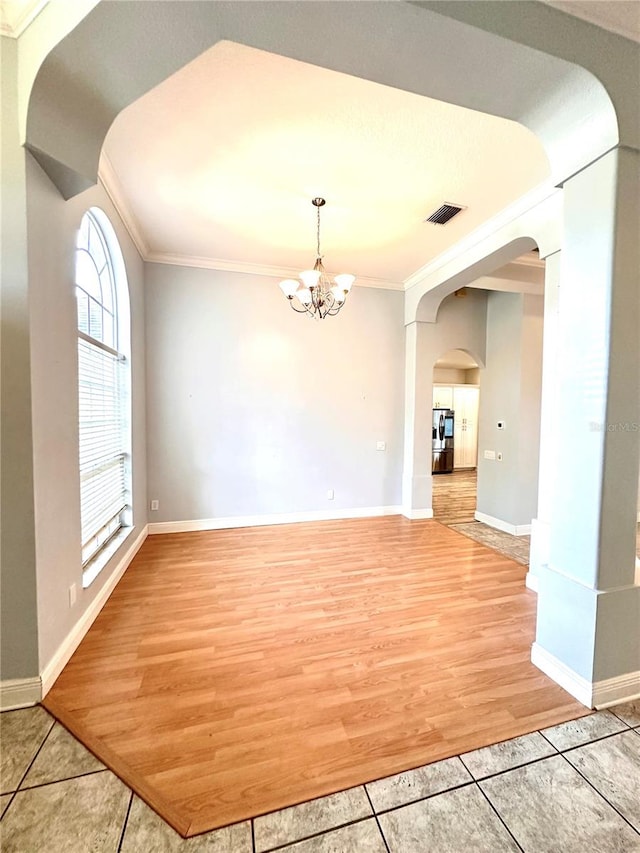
454,504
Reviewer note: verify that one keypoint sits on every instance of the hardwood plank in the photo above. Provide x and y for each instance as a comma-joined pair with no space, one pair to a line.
236,672
454,496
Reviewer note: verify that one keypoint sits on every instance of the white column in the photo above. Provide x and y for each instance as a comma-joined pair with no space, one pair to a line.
541,525
19,612
418,402
588,631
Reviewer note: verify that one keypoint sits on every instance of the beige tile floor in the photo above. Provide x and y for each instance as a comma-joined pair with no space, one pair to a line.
571,788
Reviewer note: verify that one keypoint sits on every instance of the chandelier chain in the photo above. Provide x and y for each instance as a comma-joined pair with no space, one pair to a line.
318,234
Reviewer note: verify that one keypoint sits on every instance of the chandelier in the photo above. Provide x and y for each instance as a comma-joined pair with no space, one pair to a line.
316,295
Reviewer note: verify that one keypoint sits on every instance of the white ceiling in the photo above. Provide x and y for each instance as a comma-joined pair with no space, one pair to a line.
219,164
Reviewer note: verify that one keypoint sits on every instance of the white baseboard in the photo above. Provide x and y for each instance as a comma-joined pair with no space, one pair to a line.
19,693
499,524
263,520
417,514
613,691
596,694
71,642
531,581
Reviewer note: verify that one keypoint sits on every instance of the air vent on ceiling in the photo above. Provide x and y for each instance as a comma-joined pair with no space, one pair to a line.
445,213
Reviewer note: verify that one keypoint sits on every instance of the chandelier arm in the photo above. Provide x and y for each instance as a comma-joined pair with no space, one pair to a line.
302,310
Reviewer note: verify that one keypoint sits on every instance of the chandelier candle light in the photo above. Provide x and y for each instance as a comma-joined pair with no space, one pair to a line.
317,296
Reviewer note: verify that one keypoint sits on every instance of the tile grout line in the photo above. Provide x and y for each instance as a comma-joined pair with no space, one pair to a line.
586,742
499,816
552,745
38,751
426,797
124,823
472,780
611,711
375,814
12,795
253,835
30,765
66,779
600,794
315,834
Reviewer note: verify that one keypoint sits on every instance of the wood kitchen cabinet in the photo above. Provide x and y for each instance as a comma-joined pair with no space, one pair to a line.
464,400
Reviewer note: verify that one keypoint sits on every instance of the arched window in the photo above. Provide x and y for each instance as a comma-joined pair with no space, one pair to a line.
103,389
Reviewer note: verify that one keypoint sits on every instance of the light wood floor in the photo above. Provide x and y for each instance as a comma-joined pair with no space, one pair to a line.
454,496
236,672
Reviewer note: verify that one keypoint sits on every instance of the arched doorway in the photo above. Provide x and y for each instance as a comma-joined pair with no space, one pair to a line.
456,397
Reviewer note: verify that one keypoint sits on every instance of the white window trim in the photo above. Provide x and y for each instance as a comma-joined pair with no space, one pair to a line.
121,317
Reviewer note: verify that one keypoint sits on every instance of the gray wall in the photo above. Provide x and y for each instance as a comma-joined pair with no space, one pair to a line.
253,409
52,227
510,391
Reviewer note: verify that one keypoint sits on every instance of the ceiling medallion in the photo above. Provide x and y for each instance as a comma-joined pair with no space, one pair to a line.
314,293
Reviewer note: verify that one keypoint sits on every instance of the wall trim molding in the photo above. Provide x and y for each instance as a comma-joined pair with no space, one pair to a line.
230,521
418,514
596,694
504,526
612,691
531,581
109,180
71,642
569,680
221,265
19,693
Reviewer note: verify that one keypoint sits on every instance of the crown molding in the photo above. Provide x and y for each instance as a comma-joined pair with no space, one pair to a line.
109,180
221,265
504,217
16,17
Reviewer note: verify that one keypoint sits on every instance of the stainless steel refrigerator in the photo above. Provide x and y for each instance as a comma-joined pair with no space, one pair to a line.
442,435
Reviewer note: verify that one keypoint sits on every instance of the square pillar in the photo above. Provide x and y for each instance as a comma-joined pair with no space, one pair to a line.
588,631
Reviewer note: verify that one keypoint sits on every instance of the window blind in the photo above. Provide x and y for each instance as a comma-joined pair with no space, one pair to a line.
103,492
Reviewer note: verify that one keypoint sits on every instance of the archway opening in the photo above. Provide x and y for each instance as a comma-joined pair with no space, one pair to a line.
456,397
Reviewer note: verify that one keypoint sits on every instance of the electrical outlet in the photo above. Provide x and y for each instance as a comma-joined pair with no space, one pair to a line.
329,494
381,445
155,505
73,594
489,454
499,457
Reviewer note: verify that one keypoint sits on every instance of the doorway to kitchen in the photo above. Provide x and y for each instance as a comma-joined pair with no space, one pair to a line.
456,401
